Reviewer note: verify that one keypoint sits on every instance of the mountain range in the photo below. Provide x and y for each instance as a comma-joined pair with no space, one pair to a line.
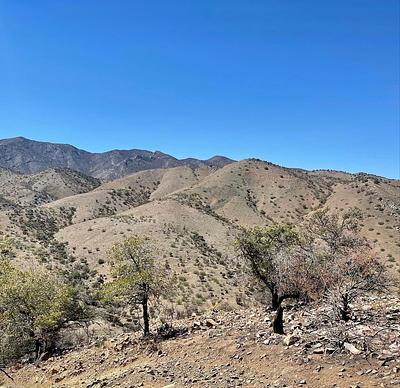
28,156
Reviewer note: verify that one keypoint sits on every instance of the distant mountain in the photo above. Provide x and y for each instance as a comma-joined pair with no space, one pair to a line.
28,156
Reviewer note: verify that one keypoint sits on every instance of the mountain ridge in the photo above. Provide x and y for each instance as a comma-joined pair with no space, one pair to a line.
27,156
121,162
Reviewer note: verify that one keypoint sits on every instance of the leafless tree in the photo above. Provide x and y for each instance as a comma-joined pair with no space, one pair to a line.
344,261
352,276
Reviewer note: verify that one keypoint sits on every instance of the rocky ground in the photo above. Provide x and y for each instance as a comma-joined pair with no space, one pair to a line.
238,348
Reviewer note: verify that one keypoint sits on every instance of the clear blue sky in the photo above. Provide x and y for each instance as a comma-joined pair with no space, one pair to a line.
312,84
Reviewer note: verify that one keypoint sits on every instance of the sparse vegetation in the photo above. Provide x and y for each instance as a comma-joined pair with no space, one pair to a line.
307,256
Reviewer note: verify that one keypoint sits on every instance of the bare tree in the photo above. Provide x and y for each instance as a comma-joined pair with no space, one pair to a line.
343,260
352,276
333,233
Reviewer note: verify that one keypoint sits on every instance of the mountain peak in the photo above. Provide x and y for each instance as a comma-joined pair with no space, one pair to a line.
14,140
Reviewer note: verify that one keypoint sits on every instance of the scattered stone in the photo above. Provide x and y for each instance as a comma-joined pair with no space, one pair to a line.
311,334
210,322
54,371
351,348
290,340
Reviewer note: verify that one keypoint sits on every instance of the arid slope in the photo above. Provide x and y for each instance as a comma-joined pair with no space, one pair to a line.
193,214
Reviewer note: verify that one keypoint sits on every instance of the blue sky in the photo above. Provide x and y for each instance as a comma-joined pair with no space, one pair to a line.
312,84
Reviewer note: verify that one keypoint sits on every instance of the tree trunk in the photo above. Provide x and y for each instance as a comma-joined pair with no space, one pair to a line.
40,348
146,319
37,349
276,302
277,322
2,370
345,311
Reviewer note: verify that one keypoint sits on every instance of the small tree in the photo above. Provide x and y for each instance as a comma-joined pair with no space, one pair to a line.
138,280
328,257
275,259
34,306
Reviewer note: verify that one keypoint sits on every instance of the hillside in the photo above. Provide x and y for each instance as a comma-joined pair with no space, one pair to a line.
193,215
28,156
133,190
46,186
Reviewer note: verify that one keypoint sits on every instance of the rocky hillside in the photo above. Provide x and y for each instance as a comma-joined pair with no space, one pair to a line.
193,214
229,349
28,156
